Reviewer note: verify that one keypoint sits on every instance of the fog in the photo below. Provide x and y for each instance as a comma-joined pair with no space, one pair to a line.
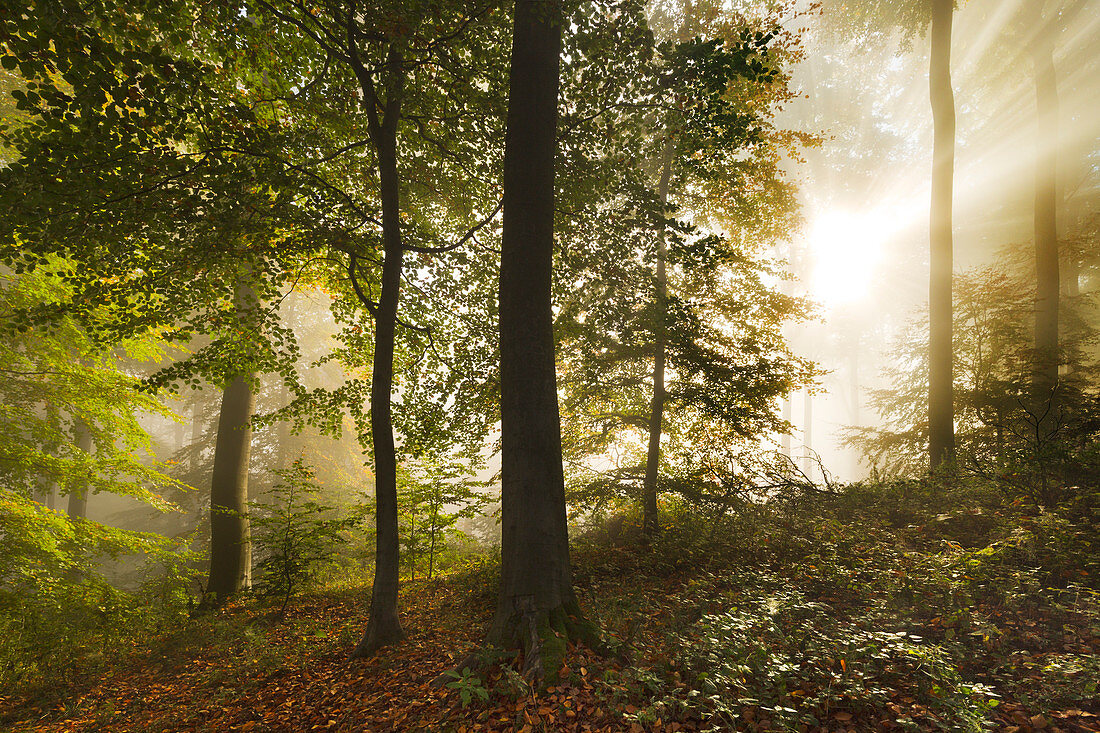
862,253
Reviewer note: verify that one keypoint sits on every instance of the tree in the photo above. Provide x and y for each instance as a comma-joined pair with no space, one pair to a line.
915,17
537,608
230,541
415,69
70,421
294,533
941,413
659,287
78,495
437,493
1035,451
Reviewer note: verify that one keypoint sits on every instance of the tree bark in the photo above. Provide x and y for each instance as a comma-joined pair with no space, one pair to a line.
650,525
230,534
1045,368
537,608
383,626
230,541
78,494
941,415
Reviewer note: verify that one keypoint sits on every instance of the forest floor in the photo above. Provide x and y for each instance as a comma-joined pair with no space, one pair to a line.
697,645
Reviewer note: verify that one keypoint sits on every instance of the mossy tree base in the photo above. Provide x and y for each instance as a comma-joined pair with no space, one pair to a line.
542,638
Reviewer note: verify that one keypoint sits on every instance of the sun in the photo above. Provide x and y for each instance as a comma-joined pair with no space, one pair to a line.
845,249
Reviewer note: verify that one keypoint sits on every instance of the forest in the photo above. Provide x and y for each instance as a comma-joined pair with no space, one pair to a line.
550,365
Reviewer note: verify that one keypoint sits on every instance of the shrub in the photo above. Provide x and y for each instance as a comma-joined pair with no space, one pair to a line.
293,534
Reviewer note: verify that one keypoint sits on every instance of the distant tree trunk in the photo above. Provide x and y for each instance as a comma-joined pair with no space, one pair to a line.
1070,221
286,457
808,433
941,413
537,609
650,524
1046,225
785,439
384,627
230,543
179,437
431,547
196,431
78,494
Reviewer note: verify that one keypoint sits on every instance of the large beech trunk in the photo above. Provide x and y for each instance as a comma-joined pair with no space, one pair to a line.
230,536
78,494
1046,226
230,542
941,413
536,609
383,626
657,407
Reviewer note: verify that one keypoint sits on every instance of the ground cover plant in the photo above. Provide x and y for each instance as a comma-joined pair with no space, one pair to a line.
819,620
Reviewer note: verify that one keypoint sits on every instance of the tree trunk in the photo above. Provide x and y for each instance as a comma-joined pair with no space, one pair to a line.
196,431
650,525
1046,227
384,627
785,439
808,434
537,608
230,542
431,547
78,494
941,415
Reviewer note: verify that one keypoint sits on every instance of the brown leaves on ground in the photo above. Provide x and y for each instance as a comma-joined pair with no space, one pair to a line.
246,672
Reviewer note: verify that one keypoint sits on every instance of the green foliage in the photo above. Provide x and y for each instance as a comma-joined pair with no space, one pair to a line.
1038,447
293,534
69,424
57,613
57,383
703,115
433,496
790,660
468,684
925,600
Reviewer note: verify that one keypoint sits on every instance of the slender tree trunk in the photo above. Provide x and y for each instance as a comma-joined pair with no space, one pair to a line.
808,433
650,524
1046,208
196,431
785,439
1071,265
941,414
78,494
384,627
286,456
431,547
536,609
179,437
230,542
